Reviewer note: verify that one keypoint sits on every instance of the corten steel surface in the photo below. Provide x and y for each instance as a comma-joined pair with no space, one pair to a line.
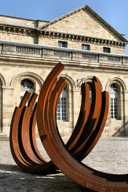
25,140
67,157
19,151
82,119
25,146
90,124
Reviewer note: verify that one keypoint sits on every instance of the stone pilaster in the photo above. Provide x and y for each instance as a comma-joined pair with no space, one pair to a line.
7,108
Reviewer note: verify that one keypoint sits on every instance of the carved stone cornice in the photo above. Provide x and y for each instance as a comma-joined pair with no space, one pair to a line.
64,36
17,29
94,15
84,39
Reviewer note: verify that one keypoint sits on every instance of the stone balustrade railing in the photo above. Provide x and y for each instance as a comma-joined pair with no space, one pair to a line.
35,50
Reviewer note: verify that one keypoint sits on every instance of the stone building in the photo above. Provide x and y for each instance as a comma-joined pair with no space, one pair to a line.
87,46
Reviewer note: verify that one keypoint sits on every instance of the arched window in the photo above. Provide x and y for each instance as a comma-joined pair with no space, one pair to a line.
62,107
90,93
26,85
114,101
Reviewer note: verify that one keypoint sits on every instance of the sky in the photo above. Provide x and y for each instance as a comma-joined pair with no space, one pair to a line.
115,12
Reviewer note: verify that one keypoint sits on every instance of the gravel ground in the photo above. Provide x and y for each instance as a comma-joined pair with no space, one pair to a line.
109,155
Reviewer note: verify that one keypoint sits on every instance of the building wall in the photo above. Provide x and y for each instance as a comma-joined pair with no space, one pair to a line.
78,45
82,23
16,37
11,94
35,66
32,39
29,50
21,22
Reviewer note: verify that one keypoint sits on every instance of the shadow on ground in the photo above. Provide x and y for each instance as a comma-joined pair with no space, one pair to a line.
12,179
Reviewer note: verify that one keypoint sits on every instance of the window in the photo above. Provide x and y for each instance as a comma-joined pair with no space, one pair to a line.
62,44
106,49
26,85
90,92
114,101
85,47
63,106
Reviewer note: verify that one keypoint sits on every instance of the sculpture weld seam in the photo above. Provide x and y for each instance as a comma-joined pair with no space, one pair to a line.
64,157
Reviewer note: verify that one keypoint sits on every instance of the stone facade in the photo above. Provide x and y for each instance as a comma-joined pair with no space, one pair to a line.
29,50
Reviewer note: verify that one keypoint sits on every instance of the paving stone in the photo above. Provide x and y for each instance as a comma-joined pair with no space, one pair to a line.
109,155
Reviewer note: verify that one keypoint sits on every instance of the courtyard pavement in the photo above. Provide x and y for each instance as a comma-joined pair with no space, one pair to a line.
109,155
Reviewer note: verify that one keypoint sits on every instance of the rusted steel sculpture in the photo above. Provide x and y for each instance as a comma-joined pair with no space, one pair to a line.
65,157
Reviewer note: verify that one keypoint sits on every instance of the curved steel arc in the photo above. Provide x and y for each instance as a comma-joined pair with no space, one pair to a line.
14,142
32,135
91,124
24,144
96,134
82,119
55,97
93,115
27,143
88,130
24,119
44,95
83,175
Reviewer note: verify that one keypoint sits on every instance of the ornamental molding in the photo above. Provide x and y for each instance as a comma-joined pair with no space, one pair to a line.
17,29
81,38
59,35
95,16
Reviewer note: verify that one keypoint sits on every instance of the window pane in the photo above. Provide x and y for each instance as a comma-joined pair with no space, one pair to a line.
62,106
26,85
62,44
85,47
114,101
106,49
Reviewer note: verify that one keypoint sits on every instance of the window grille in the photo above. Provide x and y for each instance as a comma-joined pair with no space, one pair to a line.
62,107
114,101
